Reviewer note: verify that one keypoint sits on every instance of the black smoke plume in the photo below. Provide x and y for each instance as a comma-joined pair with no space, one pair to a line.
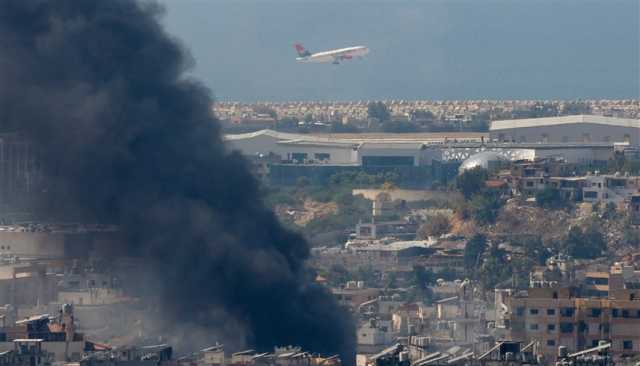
126,138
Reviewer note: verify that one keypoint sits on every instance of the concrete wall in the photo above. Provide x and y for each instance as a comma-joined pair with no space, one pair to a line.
55,244
408,195
57,348
569,133
577,155
32,244
92,296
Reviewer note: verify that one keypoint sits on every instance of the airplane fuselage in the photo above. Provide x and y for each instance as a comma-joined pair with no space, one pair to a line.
336,56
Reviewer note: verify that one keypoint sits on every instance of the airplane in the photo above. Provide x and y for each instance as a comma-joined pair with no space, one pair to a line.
333,56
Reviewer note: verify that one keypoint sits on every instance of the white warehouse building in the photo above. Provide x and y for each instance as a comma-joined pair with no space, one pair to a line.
577,129
417,149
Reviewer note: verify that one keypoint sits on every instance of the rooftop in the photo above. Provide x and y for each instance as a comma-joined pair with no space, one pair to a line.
565,120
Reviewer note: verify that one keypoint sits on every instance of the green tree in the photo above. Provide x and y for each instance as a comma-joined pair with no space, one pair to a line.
630,236
471,181
287,124
586,243
535,250
422,277
391,280
485,207
337,274
379,111
338,127
308,117
473,250
550,197
496,269
480,122
436,225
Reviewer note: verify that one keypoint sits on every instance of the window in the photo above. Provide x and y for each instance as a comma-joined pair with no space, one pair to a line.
590,194
533,311
322,156
520,311
551,327
529,184
627,345
522,139
627,138
586,137
615,313
604,328
607,139
565,138
595,312
299,157
365,231
583,327
625,313
551,342
551,311
566,327
567,312
533,326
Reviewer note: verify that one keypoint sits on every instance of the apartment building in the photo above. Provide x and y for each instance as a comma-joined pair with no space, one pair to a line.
614,188
563,317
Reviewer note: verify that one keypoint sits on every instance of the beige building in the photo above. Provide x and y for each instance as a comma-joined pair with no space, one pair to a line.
558,317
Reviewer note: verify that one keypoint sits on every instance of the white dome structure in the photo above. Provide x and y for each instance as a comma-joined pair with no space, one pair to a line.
485,160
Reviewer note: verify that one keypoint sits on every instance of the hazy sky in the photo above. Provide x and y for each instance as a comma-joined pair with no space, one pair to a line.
449,49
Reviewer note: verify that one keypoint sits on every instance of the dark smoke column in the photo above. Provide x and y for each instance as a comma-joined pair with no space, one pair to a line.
99,87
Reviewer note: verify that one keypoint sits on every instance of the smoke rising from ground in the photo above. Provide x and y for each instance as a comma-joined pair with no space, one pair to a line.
125,138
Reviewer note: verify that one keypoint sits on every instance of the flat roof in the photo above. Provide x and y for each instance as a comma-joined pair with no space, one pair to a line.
564,120
358,138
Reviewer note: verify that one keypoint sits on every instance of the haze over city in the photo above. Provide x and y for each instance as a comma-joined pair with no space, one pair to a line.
377,183
419,49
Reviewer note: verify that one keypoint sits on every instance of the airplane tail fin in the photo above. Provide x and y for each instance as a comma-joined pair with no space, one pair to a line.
302,52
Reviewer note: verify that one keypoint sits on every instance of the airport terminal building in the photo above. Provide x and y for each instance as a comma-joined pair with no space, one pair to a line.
422,158
366,149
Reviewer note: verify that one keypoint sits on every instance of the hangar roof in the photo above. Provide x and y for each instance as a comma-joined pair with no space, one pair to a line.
564,120
361,138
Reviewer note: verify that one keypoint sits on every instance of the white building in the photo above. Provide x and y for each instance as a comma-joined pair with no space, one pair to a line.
374,149
577,129
615,189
